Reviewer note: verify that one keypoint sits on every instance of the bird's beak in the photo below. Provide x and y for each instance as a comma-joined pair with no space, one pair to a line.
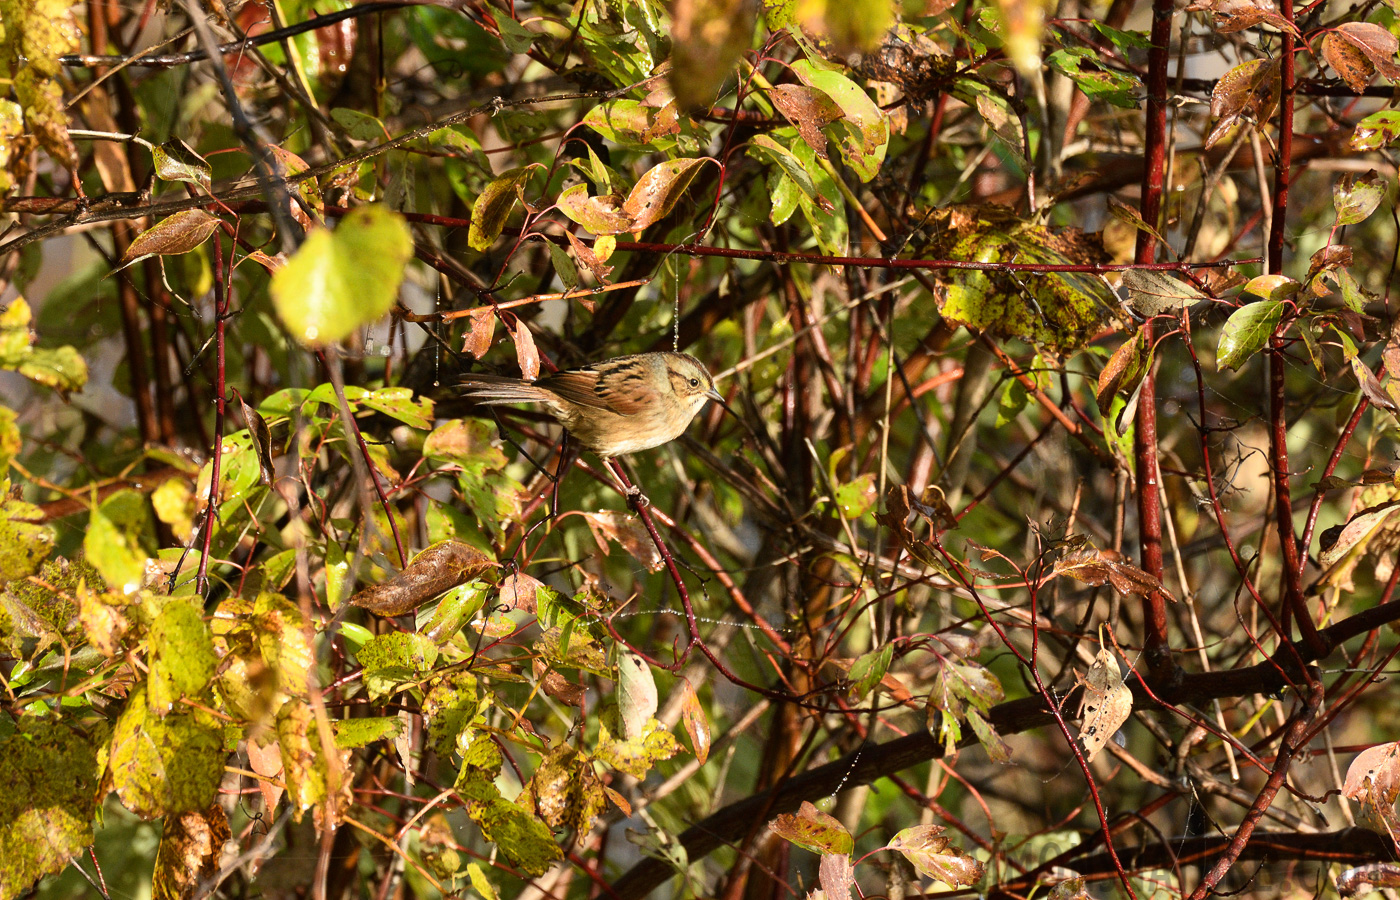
714,395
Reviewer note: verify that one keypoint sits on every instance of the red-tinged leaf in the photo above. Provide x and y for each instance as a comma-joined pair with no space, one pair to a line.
1366,879
1376,130
809,109
693,715
627,531
493,207
1125,369
836,875
266,760
589,259
1252,87
270,263
1378,44
619,801
600,215
1246,332
520,591
173,235
1328,259
657,191
477,340
525,351
1272,287
1347,60
935,857
1237,15
814,830
1356,197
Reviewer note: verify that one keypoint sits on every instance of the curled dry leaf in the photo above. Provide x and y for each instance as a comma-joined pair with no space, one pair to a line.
1368,878
590,260
1347,60
444,565
1106,704
526,353
190,846
1376,43
837,876
696,725
810,110
627,531
520,591
1096,567
173,235
483,328
1252,87
1373,780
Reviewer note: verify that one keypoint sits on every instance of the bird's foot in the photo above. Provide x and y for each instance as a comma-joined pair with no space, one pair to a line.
636,500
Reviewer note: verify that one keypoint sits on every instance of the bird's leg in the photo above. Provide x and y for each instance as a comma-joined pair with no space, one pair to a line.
635,498
568,455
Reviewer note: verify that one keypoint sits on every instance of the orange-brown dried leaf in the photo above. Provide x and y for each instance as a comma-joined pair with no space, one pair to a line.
657,191
190,846
810,110
444,565
1375,42
1347,60
1106,704
1252,87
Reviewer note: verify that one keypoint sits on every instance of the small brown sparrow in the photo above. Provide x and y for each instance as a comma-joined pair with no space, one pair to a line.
612,407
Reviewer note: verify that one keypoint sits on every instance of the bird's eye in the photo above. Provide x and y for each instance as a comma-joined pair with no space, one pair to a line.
695,382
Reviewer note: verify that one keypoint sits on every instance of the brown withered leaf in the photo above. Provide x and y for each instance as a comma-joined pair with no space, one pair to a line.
1347,60
1098,567
657,191
527,355
1105,705
1378,45
173,235
809,109
1237,15
589,259
1335,256
483,328
1125,369
262,441
1251,87
441,566
608,524
190,846
557,686
1373,780
520,591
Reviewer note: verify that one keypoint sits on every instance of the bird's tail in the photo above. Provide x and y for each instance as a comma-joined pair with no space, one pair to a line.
494,390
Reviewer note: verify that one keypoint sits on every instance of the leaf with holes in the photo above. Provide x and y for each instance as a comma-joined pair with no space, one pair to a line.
1347,60
657,191
1106,704
600,214
1356,197
1252,87
1378,45
1376,130
863,132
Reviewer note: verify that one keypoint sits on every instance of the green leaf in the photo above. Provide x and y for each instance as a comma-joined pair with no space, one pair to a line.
1247,331
119,540
638,755
1356,197
352,733
402,404
863,134
48,798
162,765
181,655
522,838
1377,130
935,857
175,161
394,660
24,542
1081,66
491,209
360,126
61,368
516,37
343,279
868,670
